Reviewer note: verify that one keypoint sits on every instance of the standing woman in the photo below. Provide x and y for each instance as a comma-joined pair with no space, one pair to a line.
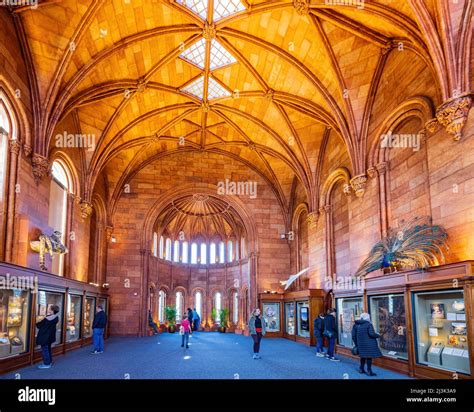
365,339
257,331
47,335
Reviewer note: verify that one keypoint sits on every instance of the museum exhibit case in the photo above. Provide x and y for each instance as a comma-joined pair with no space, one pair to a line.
44,301
303,319
388,316
441,338
348,310
14,325
89,313
74,315
271,315
424,318
22,307
290,318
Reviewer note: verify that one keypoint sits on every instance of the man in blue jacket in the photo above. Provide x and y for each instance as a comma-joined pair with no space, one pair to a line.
47,335
330,331
318,334
98,327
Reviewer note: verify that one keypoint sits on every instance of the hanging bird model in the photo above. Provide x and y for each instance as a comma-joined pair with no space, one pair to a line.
415,244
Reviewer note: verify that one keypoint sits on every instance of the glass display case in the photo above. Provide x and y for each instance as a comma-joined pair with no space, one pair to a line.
348,311
290,318
441,339
89,313
45,300
387,313
14,315
74,312
303,319
271,314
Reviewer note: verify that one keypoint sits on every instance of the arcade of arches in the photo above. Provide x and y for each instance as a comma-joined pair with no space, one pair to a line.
198,153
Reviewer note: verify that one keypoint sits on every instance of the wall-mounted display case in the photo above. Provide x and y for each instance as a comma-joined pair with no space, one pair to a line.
388,316
348,310
74,315
45,300
89,313
303,319
271,315
441,338
290,318
14,315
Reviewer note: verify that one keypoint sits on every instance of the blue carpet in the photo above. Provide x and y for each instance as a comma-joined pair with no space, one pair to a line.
210,356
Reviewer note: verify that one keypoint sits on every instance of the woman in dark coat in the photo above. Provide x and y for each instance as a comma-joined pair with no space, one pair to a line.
365,338
47,335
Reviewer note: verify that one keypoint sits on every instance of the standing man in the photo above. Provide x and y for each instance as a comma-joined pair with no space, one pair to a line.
330,331
47,335
196,320
98,327
318,334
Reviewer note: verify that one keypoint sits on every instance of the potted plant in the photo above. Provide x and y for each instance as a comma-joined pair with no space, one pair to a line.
223,319
170,315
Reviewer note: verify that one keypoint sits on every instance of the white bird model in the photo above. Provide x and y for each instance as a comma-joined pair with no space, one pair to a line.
292,278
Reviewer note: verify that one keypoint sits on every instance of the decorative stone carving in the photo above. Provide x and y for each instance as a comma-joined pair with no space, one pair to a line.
74,198
269,94
41,166
453,113
108,232
372,172
358,184
86,209
325,209
141,85
251,146
312,219
432,125
205,107
382,168
347,189
15,147
301,6
27,150
209,31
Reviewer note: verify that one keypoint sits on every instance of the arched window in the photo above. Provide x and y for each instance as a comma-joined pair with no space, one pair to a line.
179,306
155,244
221,252
198,303
230,254
203,254
4,134
184,255
176,251
168,249
212,253
217,305
235,308
194,252
58,210
162,245
161,305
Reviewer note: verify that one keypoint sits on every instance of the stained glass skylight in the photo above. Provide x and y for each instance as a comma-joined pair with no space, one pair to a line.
215,90
197,6
224,8
196,54
195,88
220,56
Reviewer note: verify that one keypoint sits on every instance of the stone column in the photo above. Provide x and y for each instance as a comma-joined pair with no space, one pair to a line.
327,210
144,292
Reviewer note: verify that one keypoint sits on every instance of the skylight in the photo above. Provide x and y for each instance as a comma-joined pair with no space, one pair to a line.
197,6
220,56
196,54
195,88
215,90
224,8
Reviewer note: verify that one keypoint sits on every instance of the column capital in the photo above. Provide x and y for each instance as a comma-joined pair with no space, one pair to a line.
382,168
453,113
86,209
325,209
15,146
312,219
358,184
41,166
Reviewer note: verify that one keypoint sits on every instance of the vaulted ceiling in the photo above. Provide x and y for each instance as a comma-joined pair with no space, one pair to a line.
258,81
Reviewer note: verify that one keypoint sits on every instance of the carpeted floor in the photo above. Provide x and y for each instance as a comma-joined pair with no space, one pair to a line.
210,356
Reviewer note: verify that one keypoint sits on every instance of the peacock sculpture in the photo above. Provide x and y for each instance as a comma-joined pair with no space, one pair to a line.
416,244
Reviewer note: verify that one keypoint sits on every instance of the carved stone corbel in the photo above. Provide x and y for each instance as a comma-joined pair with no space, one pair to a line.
312,219
301,6
15,146
358,184
347,189
382,168
108,232
453,114
40,165
86,209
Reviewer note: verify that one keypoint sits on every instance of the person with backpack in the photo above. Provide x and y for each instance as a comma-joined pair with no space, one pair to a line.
365,341
47,335
318,334
330,331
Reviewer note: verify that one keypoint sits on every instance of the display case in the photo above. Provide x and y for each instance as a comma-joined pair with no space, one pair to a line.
441,339
45,300
74,312
271,315
89,313
388,316
303,319
14,314
348,311
290,318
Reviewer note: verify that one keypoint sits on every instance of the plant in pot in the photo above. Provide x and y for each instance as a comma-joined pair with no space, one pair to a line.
223,320
170,315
